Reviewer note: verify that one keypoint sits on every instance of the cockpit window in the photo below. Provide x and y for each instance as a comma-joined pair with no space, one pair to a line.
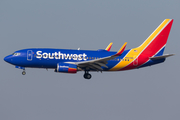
16,54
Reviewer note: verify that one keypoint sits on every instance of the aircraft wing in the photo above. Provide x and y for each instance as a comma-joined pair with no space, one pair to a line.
101,62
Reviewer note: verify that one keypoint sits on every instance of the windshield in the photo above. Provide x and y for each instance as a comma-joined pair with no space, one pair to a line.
16,54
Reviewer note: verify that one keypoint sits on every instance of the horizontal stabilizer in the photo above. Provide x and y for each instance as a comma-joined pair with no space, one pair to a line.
161,57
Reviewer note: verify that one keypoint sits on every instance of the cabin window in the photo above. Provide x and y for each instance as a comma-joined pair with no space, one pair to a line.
39,55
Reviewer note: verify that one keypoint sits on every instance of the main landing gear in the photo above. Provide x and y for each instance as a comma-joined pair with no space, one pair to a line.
87,75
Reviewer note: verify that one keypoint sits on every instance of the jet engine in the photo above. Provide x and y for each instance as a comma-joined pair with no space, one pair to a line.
66,68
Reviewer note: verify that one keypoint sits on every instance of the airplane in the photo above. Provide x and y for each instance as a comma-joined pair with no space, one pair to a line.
150,52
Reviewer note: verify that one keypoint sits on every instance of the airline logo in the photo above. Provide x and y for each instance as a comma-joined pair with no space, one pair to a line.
59,55
64,66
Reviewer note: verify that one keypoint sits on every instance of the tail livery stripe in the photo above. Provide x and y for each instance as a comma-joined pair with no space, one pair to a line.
159,53
149,48
155,33
157,42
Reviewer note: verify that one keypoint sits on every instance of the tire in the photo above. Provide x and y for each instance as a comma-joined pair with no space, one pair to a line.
87,76
23,73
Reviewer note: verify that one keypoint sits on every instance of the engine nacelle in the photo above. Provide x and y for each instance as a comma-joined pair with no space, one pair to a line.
66,68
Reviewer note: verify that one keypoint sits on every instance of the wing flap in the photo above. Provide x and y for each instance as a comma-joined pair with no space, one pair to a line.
101,64
97,67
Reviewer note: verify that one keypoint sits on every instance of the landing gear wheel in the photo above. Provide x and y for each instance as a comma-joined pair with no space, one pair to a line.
23,73
87,75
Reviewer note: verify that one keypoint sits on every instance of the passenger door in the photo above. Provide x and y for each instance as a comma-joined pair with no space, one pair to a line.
29,55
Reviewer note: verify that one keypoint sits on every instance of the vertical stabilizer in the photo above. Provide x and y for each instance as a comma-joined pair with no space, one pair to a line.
156,42
153,46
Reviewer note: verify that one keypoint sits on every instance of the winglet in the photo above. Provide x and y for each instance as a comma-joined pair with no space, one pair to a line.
121,50
109,46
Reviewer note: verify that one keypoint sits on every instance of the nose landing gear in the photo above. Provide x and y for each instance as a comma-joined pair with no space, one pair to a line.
87,75
24,72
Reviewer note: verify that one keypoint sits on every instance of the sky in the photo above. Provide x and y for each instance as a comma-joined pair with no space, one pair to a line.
141,94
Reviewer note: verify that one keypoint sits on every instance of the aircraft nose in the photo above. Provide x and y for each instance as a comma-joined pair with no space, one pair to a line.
8,59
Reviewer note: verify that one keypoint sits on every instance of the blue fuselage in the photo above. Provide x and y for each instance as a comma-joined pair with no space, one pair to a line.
49,58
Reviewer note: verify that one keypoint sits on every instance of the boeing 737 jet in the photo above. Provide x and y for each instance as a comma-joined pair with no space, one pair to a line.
150,52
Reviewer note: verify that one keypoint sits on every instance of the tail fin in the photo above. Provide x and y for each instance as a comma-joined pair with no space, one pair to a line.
156,42
152,47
